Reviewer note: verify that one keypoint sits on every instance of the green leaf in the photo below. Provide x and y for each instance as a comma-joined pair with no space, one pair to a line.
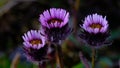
80,65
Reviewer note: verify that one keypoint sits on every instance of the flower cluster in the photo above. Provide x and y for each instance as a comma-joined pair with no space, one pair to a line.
54,29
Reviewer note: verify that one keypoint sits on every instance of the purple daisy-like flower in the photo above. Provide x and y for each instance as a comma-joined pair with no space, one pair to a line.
55,24
95,30
95,24
54,18
34,45
33,39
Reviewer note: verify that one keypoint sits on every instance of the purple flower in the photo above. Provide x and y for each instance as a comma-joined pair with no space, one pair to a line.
54,18
33,39
95,30
34,46
55,24
95,24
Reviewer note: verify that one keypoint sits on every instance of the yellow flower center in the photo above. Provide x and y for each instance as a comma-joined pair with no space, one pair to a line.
54,20
36,42
96,25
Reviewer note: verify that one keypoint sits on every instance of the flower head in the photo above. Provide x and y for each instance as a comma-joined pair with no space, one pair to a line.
54,18
55,24
95,24
34,45
95,30
33,39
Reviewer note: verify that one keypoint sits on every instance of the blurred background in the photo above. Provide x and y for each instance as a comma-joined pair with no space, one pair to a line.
19,16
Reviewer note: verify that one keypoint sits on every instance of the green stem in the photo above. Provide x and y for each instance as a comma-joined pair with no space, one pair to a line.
93,57
59,59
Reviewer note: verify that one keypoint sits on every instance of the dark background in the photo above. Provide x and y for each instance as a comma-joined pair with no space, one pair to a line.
19,16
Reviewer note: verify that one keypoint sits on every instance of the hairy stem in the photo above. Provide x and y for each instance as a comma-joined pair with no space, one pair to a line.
15,61
84,60
59,59
93,57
